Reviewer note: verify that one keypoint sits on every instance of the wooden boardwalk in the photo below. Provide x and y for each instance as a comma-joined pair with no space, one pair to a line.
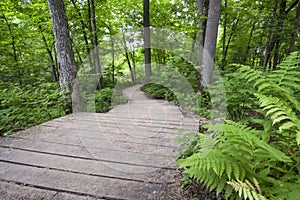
127,153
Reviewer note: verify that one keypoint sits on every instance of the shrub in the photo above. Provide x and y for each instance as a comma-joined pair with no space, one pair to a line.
107,98
254,163
29,105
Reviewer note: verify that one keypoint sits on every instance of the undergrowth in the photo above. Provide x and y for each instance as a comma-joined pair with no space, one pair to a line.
22,107
258,159
107,98
25,106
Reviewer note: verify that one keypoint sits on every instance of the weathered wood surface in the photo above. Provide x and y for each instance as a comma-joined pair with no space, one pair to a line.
127,153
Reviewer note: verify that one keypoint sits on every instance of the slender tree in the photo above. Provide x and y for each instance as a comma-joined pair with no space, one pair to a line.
68,75
210,42
95,42
224,37
147,48
84,32
296,28
128,58
51,59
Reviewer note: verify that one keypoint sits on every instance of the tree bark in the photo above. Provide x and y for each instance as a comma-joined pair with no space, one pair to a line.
13,44
271,40
97,66
128,58
201,22
226,47
147,47
132,55
224,50
68,75
278,33
202,9
83,30
249,43
210,42
112,41
296,28
51,59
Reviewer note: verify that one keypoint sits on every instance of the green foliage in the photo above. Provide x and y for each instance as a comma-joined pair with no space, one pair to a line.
269,156
26,106
278,94
157,91
237,154
107,98
247,190
240,99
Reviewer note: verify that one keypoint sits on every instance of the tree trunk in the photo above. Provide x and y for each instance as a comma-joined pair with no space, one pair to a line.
271,40
296,28
83,30
112,56
249,44
51,60
13,44
278,33
128,59
147,47
68,77
132,55
202,6
97,66
210,43
224,52
201,22
226,47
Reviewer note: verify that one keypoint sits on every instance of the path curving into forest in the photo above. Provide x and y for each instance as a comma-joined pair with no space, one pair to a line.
127,153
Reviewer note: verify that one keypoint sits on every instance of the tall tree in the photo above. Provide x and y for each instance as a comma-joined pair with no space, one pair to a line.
68,74
84,32
224,49
95,42
210,42
296,29
147,41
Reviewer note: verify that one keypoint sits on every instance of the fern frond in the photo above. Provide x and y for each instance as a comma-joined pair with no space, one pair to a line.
281,114
247,190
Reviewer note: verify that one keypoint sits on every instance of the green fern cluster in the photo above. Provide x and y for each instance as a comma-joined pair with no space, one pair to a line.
247,190
278,94
237,154
261,163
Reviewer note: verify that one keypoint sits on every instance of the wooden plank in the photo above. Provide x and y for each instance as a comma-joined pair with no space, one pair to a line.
10,191
91,167
103,140
186,123
178,120
50,133
135,131
77,183
108,144
117,156
13,191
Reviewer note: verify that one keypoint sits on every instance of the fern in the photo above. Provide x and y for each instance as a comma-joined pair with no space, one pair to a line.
270,157
237,154
277,93
247,190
